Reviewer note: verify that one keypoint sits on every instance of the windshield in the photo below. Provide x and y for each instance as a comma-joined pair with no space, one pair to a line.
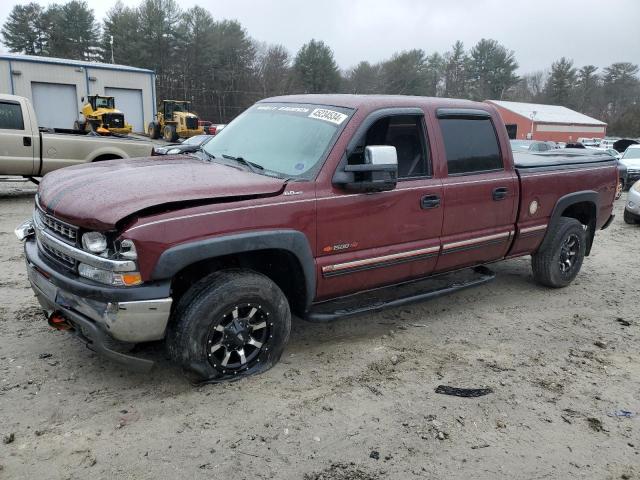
102,102
631,153
288,139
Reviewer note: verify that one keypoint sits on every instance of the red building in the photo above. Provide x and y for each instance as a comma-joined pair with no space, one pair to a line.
547,122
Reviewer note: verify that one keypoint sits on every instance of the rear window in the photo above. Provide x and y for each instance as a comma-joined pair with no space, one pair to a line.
471,145
11,116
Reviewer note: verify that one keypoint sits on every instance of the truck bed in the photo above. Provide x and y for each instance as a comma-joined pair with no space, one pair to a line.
559,159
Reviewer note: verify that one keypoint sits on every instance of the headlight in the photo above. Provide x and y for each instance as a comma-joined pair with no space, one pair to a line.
173,151
107,277
127,250
94,242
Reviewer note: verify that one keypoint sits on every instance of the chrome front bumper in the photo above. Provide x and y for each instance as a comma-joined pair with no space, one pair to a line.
130,321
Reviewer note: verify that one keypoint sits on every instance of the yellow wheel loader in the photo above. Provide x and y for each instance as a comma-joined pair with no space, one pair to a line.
175,120
101,116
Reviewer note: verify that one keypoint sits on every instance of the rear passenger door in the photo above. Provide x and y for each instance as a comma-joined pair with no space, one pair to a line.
479,192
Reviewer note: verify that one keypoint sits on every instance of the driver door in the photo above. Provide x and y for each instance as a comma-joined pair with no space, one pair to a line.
367,240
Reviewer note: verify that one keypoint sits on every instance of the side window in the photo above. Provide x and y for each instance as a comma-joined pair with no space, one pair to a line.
11,116
406,133
471,145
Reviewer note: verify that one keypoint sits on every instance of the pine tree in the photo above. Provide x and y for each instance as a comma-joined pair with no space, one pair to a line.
561,82
24,32
315,68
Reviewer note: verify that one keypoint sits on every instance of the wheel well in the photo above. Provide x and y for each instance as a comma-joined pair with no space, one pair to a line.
106,156
585,213
281,266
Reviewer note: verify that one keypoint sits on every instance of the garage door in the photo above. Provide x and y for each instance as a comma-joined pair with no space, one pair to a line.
56,104
129,102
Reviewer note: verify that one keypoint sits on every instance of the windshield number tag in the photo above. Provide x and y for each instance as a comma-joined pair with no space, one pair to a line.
328,115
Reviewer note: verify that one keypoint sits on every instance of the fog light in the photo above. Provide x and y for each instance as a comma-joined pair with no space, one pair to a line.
94,242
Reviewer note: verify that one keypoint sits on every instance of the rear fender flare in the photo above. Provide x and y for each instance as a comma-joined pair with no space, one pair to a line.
585,196
176,258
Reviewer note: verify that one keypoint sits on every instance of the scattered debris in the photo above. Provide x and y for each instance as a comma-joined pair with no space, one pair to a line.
600,344
623,322
394,359
341,471
9,438
595,424
622,413
316,439
463,392
375,455
482,445
45,355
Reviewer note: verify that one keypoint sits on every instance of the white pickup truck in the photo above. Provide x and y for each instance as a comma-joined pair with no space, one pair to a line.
30,151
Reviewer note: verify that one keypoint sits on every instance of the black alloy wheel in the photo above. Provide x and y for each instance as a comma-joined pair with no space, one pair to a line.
235,343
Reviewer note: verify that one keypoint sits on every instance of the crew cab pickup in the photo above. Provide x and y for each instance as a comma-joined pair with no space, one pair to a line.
317,206
29,151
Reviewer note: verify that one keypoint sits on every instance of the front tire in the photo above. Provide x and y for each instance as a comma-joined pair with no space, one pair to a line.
230,323
629,218
559,262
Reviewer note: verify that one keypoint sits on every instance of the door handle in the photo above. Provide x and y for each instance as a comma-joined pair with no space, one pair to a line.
500,193
26,141
429,201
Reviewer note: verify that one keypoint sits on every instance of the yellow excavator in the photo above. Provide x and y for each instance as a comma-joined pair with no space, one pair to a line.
101,116
175,120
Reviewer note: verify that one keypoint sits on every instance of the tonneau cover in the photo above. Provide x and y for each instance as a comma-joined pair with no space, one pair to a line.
560,158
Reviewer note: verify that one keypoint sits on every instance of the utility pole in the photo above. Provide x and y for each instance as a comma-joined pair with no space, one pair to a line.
533,116
111,42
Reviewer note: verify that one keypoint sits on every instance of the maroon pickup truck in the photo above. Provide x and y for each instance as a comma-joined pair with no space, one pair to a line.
318,206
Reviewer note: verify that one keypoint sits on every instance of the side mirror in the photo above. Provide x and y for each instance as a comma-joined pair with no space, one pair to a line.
82,99
378,173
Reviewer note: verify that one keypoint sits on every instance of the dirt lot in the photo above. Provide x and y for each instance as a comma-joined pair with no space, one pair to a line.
350,400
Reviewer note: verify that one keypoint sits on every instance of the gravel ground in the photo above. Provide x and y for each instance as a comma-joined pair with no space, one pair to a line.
354,399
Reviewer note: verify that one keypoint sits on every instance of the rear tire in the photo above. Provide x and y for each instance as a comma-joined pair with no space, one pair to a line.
629,218
229,324
154,130
561,259
170,134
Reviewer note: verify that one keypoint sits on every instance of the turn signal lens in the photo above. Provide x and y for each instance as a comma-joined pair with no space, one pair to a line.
130,279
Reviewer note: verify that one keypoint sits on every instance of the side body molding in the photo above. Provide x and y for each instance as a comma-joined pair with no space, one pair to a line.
176,258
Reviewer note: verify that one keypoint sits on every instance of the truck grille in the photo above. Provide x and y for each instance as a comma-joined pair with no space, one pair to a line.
57,255
192,123
113,120
60,229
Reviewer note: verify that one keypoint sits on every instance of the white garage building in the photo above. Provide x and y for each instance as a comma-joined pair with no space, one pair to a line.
57,88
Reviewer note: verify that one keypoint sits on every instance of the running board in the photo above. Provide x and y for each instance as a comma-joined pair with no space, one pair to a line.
399,294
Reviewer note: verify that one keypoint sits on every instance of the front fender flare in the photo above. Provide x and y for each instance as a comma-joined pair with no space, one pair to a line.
176,258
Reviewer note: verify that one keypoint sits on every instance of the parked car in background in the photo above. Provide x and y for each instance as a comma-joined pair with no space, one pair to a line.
631,160
214,129
205,124
532,146
30,151
190,145
632,207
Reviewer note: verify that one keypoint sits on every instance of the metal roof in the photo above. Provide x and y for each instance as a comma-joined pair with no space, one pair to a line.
547,113
74,63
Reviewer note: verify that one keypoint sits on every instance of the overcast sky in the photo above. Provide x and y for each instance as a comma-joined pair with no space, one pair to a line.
588,31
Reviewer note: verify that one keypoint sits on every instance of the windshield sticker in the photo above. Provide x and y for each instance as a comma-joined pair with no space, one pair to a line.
328,115
283,108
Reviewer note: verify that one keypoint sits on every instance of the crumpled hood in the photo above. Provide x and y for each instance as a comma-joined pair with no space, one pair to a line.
98,195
